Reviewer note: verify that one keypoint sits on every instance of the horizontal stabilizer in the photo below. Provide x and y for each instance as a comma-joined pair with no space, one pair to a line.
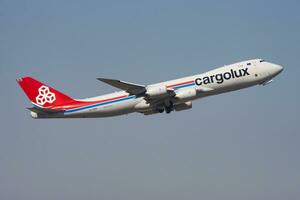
44,110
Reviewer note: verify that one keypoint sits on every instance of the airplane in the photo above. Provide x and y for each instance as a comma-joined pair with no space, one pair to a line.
173,95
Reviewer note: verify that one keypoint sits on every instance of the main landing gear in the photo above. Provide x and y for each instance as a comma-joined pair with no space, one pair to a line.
168,107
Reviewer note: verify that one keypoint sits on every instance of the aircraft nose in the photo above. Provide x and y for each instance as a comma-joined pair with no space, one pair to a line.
277,68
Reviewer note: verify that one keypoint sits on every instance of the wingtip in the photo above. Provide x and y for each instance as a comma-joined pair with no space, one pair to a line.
101,79
107,79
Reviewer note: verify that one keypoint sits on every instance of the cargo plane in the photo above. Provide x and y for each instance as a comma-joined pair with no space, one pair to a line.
173,95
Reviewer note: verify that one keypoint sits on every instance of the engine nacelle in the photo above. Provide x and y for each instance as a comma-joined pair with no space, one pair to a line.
142,106
186,94
183,106
156,91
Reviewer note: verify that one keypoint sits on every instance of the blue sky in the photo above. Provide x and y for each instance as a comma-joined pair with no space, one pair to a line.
240,145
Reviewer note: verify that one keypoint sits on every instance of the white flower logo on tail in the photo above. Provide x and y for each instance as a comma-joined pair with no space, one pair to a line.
45,96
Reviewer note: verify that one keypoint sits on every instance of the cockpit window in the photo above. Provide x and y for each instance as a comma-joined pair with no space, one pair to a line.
248,63
262,61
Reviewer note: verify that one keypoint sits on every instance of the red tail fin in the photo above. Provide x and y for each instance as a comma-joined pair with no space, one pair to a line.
42,95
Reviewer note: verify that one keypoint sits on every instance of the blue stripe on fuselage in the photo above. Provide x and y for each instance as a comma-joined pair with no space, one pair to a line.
100,104
183,86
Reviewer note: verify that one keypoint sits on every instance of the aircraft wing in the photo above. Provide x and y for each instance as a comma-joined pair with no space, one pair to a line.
131,88
137,89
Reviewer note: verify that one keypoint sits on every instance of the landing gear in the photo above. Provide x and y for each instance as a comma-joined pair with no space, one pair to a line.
168,110
169,107
161,110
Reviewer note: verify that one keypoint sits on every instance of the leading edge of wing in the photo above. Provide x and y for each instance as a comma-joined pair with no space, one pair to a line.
131,88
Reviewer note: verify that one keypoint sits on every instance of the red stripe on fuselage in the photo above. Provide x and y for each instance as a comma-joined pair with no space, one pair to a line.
177,84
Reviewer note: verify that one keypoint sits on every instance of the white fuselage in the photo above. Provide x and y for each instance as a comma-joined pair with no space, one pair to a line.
224,79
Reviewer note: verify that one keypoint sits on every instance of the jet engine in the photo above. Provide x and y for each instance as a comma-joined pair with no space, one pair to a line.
186,94
183,106
156,91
